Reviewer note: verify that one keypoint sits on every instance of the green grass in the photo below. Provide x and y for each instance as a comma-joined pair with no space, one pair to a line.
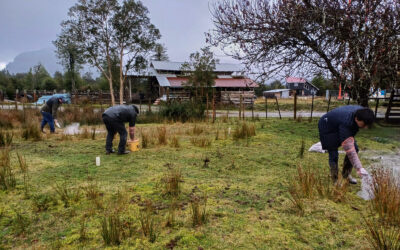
246,182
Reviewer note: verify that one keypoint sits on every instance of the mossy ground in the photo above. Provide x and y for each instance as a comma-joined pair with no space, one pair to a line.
246,182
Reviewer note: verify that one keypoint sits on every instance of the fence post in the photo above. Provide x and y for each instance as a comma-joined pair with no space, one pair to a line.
312,106
376,107
277,105
329,102
240,107
252,109
266,107
16,99
213,104
140,105
149,104
207,107
295,106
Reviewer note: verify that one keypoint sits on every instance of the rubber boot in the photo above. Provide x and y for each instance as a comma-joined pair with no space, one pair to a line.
334,171
347,168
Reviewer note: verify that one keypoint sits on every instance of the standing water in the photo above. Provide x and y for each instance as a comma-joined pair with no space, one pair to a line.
72,129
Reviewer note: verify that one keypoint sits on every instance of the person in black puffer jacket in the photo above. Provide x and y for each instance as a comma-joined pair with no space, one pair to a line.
338,128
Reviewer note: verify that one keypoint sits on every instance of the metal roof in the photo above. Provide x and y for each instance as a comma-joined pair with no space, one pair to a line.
176,66
177,82
291,79
276,90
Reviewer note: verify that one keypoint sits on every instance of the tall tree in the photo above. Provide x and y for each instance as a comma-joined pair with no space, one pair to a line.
69,53
357,41
103,29
160,53
200,69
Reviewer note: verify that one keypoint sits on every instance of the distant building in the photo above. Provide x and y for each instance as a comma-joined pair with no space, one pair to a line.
169,79
301,86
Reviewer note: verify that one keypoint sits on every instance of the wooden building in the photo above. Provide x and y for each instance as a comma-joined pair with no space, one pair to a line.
301,86
169,79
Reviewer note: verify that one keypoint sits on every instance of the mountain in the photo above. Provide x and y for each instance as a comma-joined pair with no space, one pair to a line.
47,57
26,60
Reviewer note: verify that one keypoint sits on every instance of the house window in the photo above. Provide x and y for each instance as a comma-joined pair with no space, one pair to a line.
296,84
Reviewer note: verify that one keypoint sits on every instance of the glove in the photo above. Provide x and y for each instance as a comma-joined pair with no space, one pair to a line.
362,172
56,123
348,146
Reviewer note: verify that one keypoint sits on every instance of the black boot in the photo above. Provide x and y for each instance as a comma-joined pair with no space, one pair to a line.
347,168
334,171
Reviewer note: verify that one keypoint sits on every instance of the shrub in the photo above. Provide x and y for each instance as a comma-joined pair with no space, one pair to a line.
111,229
162,135
6,138
175,142
147,221
183,111
244,131
386,190
7,176
381,235
200,141
145,139
171,181
31,131
24,170
42,202
198,206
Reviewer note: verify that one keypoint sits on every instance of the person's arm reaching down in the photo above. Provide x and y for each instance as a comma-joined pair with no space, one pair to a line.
348,146
132,133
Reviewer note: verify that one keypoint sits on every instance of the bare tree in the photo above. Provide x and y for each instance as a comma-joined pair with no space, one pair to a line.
355,41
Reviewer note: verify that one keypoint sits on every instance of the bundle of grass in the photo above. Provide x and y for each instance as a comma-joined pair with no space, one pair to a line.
201,141
7,175
302,148
42,202
85,134
175,142
93,133
386,190
31,131
111,229
296,199
197,130
23,166
6,138
334,191
162,135
244,131
305,181
145,139
382,235
172,181
198,205
66,193
171,213
147,221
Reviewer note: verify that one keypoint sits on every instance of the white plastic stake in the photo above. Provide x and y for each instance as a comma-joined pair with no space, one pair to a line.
98,161
229,130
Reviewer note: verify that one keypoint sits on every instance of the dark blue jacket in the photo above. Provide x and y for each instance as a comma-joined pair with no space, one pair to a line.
121,114
337,125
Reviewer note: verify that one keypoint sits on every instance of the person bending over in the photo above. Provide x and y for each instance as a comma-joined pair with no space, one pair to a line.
114,118
338,128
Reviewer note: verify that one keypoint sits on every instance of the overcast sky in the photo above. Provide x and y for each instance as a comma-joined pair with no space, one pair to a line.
27,25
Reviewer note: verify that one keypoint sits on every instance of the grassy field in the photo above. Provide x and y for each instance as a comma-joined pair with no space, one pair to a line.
193,186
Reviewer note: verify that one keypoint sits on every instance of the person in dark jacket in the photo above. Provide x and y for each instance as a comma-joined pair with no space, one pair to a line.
114,119
49,113
338,128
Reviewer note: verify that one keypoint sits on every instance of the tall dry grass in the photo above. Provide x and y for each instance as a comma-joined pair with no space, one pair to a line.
386,190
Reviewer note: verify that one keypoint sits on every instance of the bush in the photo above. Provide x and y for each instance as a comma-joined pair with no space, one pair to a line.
31,131
183,111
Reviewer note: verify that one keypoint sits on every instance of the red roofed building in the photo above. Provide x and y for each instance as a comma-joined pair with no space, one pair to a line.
230,82
301,86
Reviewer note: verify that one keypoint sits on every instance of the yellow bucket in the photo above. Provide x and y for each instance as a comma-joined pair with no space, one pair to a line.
133,145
